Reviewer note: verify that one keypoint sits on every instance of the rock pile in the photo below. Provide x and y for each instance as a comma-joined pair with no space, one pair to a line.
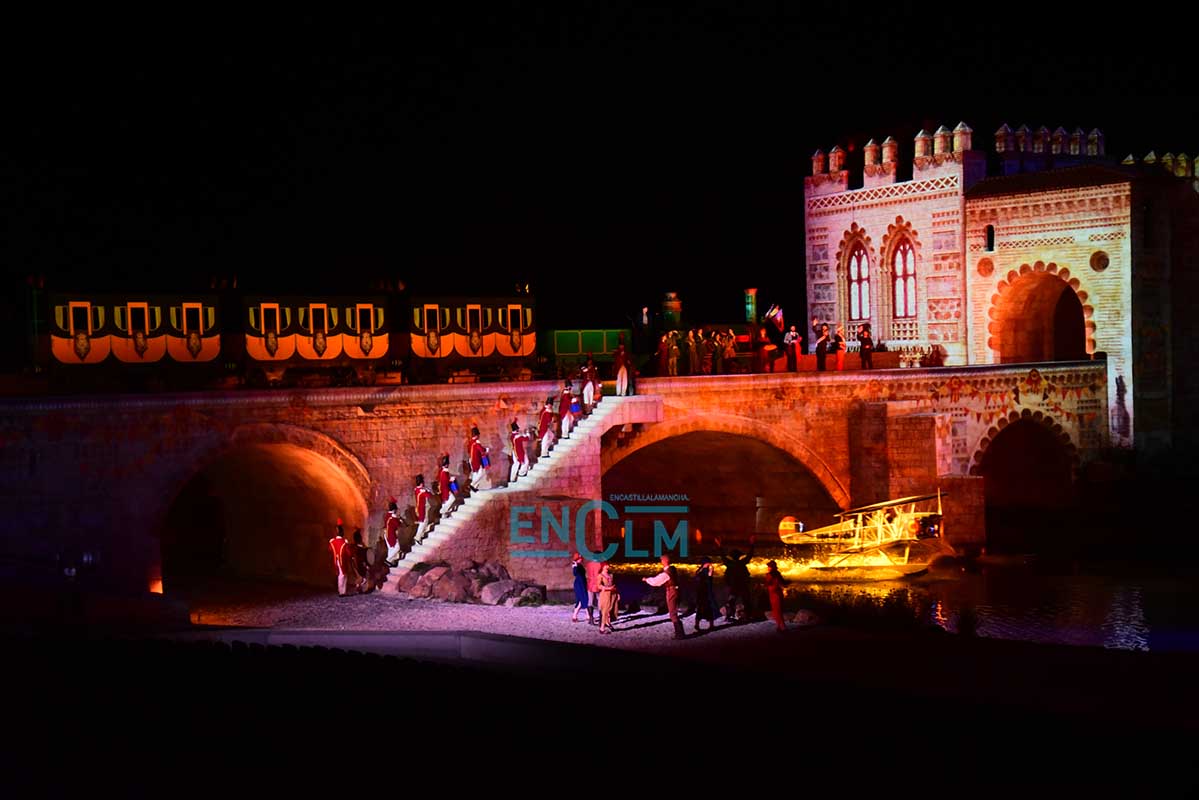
470,582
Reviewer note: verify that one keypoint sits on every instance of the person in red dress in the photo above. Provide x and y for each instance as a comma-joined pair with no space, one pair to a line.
478,452
564,413
337,545
422,498
391,532
774,589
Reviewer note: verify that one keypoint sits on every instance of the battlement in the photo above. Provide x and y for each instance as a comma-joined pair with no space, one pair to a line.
1026,150
1181,165
941,152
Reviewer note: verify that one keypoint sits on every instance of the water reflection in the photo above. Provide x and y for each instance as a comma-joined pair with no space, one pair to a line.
1143,609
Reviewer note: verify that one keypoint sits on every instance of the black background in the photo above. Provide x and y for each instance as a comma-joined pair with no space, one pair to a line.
457,149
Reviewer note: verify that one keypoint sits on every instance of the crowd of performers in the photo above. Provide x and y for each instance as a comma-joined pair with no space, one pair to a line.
829,340
438,500
595,591
697,352
713,352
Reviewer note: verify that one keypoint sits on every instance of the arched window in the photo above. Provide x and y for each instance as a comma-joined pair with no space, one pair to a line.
859,284
905,281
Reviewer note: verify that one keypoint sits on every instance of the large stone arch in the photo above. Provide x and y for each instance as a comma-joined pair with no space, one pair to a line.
1026,293
271,494
772,435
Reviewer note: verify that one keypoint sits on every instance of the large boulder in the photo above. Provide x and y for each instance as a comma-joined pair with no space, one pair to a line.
476,586
495,593
452,588
425,586
435,574
496,570
408,580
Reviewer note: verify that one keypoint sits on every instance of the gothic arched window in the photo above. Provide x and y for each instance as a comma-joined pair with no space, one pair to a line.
904,263
859,284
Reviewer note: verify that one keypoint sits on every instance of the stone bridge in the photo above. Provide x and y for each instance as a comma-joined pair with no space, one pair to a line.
257,480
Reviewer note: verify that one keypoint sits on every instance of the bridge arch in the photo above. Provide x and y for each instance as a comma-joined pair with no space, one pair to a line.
1029,466
1046,421
261,501
772,435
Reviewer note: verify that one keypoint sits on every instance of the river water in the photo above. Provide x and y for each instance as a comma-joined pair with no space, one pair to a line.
1039,600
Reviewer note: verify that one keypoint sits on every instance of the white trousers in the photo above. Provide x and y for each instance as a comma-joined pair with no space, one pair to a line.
518,468
622,382
547,441
393,553
568,422
588,393
475,477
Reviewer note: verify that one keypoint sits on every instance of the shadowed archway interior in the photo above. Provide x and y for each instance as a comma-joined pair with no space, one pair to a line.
1039,318
1029,485
723,475
261,510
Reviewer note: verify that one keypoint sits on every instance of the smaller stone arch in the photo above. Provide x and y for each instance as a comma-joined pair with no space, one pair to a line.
1026,414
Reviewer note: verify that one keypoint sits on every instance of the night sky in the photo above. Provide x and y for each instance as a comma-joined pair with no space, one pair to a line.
461,151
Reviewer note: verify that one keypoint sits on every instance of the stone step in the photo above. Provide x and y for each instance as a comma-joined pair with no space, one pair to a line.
559,456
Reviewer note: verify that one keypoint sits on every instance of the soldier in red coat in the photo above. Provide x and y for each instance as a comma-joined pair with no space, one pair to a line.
564,413
520,453
478,454
391,532
422,499
592,390
545,426
446,483
620,368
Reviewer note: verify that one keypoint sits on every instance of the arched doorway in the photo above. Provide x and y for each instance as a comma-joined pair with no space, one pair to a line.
735,486
1028,472
1038,317
260,510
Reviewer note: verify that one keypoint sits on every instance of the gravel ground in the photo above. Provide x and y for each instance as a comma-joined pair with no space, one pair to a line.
293,608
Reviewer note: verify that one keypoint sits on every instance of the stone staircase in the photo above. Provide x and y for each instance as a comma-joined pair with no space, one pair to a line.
559,457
